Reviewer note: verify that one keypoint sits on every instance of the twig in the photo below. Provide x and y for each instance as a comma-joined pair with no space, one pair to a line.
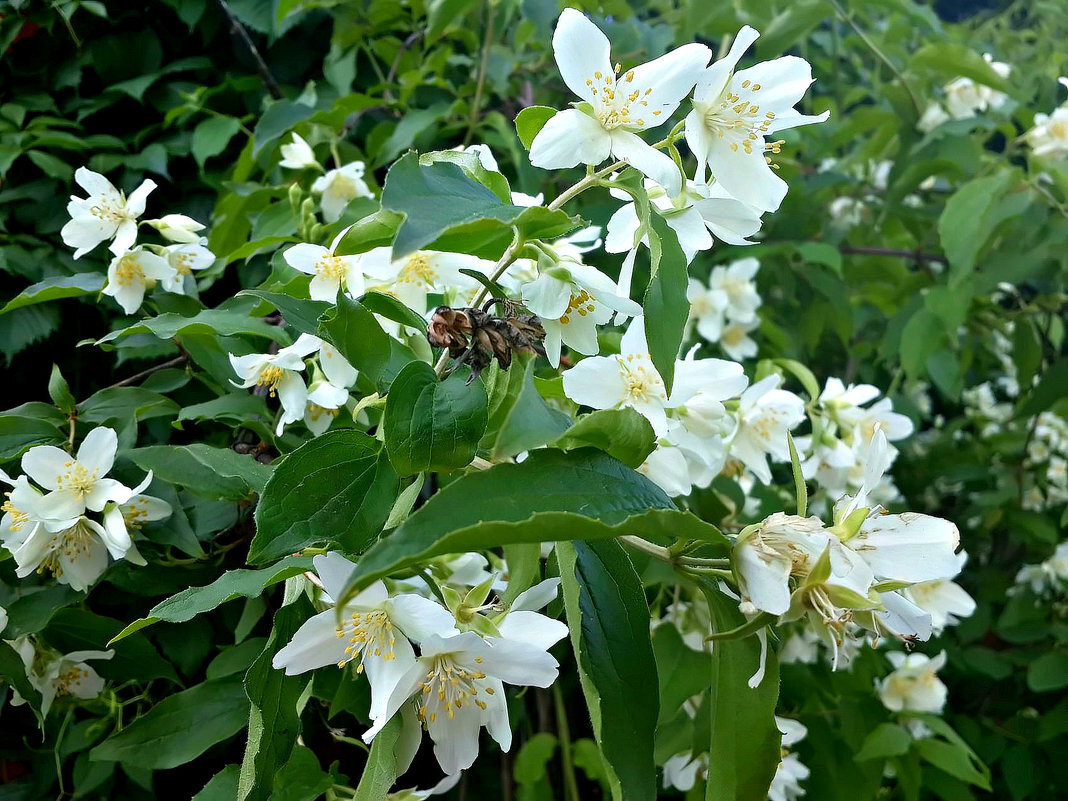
480,83
904,254
239,31
412,38
177,360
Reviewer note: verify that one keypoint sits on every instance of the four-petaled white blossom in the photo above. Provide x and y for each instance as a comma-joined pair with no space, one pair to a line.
338,187
411,278
133,273
105,214
297,154
1049,136
732,114
185,258
56,675
280,374
330,273
615,104
765,415
77,483
913,686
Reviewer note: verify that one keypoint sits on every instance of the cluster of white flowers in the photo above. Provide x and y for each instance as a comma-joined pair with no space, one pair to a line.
468,651
51,532
336,188
1046,578
107,214
56,675
724,311
965,98
913,685
1049,137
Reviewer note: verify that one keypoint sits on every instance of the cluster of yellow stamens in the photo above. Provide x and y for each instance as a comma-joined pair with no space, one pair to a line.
182,262
330,267
135,512
110,208
18,517
581,304
369,634
418,270
69,678
78,479
616,96
73,543
271,376
641,381
129,271
741,120
315,411
447,686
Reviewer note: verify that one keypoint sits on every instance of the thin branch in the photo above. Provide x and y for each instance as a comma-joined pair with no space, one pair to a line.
899,252
239,31
412,38
175,362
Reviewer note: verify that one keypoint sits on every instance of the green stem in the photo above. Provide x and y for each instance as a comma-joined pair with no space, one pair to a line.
480,83
563,732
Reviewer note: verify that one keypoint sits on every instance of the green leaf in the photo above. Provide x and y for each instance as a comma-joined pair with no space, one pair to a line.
433,425
31,611
13,671
954,760
511,503
1048,672
277,120
59,391
666,305
621,433
338,487
443,13
530,121
439,197
174,731
392,309
222,787
533,758
212,472
822,253
230,585
744,741
67,286
18,434
122,404
608,618
519,418
955,60
135,657
373,231
274,718
355,332
209,321
885,740
300,313
211,137
922,336
965,224
301,778
682,671
1049,390
381,770
236,408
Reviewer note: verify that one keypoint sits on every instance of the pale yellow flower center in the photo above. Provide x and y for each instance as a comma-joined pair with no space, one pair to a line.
1059,129
733,335
271,376
330,267
343,187
182,262
111,208
418,270
77,478
135,513
72,543
616,95
369,634
448,685
739,121
73,676
580,304
641,383
18,517
315,411
129,271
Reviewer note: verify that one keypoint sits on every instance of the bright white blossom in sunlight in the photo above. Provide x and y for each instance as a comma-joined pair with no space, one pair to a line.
572,299
1049,136
411,278
696,215
330,274
375,630
184,259
133,273
615,104
105,214
177,228
297,154
77,483
765,415
280,374
339,187
913,686
457,685
786,785
630,380
732,114
56,675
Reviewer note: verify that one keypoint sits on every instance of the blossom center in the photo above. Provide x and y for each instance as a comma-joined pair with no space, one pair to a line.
182,262
73,543
343,187
135,513
18,517
70,678
271,376
614,95
369,634
447,686
581,304
330,267
740,122
641,383
129,271
418,270
78,479
315,411
109,208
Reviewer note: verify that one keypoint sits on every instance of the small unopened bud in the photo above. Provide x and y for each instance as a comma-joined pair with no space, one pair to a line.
177,228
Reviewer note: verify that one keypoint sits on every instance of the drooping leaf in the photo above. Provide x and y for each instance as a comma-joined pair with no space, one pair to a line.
666,305
621,433
67,286
355,332
519,418
530,121
212,472
301,313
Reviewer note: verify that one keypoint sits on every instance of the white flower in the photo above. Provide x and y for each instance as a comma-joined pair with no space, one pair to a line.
696,214
572,299
965,97
54,675
3,619
330,273
846,212
786,785
914,685
183,259
324,401
1050,134
374,628
944,600
485,155
177,228
133,514
615,104
424,272
132,273
731,297
458,686
631,380
298,155
736,342
734,111
681,771
933,116
77,483
340,186
765,415
802,648
105,214
280,373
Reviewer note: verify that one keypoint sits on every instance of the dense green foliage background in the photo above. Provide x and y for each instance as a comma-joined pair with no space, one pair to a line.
907,298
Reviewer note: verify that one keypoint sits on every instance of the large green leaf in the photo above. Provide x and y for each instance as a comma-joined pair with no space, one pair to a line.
683,672
609,621
666,305
230,585
1049,390
551,495
224,322
121,404
20,433
957,60
356,334
67,286
179,728
530,121
744,741
135,657
621,433
433,425
301,313
212,472
519,418
382,769
965,224
274,718
338,487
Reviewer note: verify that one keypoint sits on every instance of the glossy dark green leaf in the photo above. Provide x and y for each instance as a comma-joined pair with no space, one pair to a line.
666,305
621,433
382,769
355,332
608,617
135,657
519,418
335,488
212,472
67,286
18,434
301,313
